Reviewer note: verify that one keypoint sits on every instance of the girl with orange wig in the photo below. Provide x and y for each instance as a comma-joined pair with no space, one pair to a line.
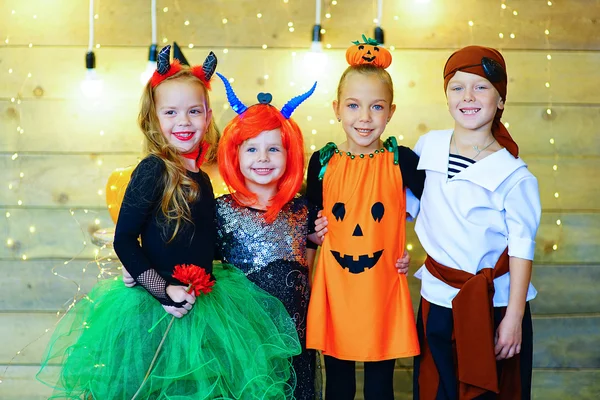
262,226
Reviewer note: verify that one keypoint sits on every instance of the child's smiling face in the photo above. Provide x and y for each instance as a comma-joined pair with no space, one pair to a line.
472,101
364,108
183,114
263,159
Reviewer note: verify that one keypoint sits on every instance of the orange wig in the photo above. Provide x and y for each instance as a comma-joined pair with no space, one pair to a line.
249,124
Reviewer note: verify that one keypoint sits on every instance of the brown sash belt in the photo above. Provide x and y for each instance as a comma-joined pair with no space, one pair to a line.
473,315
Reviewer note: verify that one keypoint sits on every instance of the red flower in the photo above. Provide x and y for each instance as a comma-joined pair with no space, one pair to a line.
194,276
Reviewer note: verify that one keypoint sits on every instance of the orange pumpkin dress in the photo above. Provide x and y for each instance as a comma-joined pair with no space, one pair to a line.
360,308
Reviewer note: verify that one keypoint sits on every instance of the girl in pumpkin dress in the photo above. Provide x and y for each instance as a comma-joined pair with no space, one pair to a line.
232,343
360,306
262,226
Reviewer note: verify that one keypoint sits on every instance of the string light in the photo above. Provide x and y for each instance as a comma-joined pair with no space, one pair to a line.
550,118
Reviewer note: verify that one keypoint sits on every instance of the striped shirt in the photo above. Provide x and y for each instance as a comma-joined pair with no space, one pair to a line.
456,164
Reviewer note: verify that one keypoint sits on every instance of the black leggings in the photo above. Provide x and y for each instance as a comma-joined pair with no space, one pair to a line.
340,379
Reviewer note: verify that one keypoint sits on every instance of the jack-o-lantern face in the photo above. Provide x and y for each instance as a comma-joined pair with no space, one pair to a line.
358,263
369,52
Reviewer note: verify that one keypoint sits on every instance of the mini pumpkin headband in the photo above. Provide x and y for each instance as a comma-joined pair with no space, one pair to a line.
264,98
165,69
368,52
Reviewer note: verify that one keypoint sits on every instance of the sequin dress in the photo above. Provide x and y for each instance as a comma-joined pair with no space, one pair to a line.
273,256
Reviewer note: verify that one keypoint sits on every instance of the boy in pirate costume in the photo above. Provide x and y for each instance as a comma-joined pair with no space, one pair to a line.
480,212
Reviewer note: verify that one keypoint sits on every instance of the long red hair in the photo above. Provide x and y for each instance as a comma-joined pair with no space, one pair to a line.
256,119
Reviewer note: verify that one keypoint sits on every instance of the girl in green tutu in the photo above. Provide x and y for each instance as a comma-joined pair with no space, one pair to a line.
235,341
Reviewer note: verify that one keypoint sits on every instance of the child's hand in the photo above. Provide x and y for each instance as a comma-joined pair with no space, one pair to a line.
508,337
127,279
179,294
402,263
320,228
178,311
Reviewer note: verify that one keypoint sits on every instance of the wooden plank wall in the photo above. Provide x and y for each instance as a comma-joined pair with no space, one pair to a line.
69,145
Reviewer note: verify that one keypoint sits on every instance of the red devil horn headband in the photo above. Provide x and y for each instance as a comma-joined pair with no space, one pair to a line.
166,69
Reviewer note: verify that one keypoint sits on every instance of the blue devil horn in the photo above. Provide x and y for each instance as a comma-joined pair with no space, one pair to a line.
291,105
163,63
234,102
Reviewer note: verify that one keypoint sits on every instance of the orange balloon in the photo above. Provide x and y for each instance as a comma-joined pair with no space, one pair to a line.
115,190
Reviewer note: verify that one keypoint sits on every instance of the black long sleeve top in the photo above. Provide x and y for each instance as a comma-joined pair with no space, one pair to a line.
151,262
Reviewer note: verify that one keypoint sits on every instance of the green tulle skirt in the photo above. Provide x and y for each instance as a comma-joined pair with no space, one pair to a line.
235,343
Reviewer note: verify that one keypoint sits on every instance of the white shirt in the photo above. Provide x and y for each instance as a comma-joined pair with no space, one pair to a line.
466,222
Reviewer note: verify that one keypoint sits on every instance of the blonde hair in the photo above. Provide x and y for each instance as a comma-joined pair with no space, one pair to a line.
367,69
179,190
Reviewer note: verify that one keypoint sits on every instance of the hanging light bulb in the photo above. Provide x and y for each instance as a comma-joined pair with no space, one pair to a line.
152,51
92,86
150,65
315,60
378,30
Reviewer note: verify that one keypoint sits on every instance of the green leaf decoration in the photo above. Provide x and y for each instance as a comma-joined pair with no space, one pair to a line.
366,40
